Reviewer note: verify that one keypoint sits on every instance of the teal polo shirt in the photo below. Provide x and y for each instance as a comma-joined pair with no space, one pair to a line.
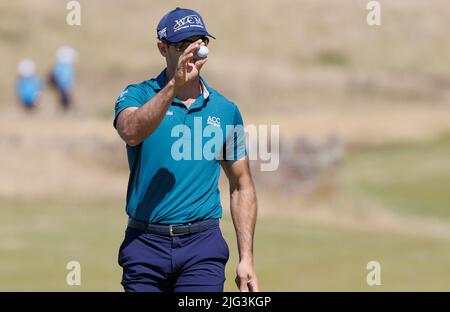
174,172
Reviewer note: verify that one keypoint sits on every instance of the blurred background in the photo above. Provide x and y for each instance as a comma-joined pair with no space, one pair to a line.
364,115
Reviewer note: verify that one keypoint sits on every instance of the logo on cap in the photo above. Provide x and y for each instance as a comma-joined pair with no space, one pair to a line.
188,21
162,33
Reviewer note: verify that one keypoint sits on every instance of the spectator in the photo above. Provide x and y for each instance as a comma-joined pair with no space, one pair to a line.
62,77
28,85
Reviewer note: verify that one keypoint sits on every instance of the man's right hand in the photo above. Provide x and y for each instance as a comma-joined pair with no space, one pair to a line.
188,67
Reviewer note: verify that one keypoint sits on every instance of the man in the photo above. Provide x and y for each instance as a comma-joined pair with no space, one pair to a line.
28,84
62,76
173,240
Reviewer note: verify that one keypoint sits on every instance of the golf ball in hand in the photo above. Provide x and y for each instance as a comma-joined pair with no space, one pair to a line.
202,51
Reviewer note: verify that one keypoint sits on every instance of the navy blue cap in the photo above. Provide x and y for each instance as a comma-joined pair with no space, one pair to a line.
180,24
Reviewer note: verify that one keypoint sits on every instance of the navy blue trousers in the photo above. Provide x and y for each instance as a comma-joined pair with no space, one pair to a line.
187,263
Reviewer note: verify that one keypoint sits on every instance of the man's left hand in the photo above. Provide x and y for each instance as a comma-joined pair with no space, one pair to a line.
246,277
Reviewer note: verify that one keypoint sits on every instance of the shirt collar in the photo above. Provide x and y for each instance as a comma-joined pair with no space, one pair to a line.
205,90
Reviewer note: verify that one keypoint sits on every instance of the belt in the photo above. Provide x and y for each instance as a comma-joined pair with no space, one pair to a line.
173,229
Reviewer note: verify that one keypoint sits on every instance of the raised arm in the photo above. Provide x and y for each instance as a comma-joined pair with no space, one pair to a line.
135,124
243,208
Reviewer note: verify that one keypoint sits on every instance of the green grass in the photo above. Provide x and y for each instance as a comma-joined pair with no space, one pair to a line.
335,58
39,237
299,257
410,179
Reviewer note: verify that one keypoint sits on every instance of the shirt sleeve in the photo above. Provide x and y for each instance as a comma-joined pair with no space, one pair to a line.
131,96
235,144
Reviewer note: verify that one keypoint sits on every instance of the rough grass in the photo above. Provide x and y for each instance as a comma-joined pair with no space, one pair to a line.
276,57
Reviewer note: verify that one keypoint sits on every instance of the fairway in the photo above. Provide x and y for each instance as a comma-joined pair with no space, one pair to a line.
290,255
409,179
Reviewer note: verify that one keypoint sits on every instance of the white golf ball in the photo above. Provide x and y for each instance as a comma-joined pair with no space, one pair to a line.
202,51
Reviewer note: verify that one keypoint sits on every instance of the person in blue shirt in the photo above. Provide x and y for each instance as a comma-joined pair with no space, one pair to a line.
28,84
179,132
62,76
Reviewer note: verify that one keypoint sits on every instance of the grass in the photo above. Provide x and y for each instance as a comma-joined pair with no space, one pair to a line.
41,236
305,257
332,58
302,61
276,55
410,179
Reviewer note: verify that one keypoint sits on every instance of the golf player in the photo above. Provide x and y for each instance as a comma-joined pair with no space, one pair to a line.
173,241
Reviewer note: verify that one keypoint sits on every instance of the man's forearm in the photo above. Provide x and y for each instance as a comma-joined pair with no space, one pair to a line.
140,123
244,212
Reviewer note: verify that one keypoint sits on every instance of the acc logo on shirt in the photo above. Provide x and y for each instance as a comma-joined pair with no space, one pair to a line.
212,120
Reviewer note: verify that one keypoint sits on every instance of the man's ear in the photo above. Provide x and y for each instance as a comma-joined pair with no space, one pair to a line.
162,47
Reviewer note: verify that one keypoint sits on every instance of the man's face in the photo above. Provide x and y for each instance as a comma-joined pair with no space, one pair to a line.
174,50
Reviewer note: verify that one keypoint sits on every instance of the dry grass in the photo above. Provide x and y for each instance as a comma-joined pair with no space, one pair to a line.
277,56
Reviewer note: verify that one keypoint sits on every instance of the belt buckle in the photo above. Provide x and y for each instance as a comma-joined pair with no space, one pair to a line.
180,224
171,230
